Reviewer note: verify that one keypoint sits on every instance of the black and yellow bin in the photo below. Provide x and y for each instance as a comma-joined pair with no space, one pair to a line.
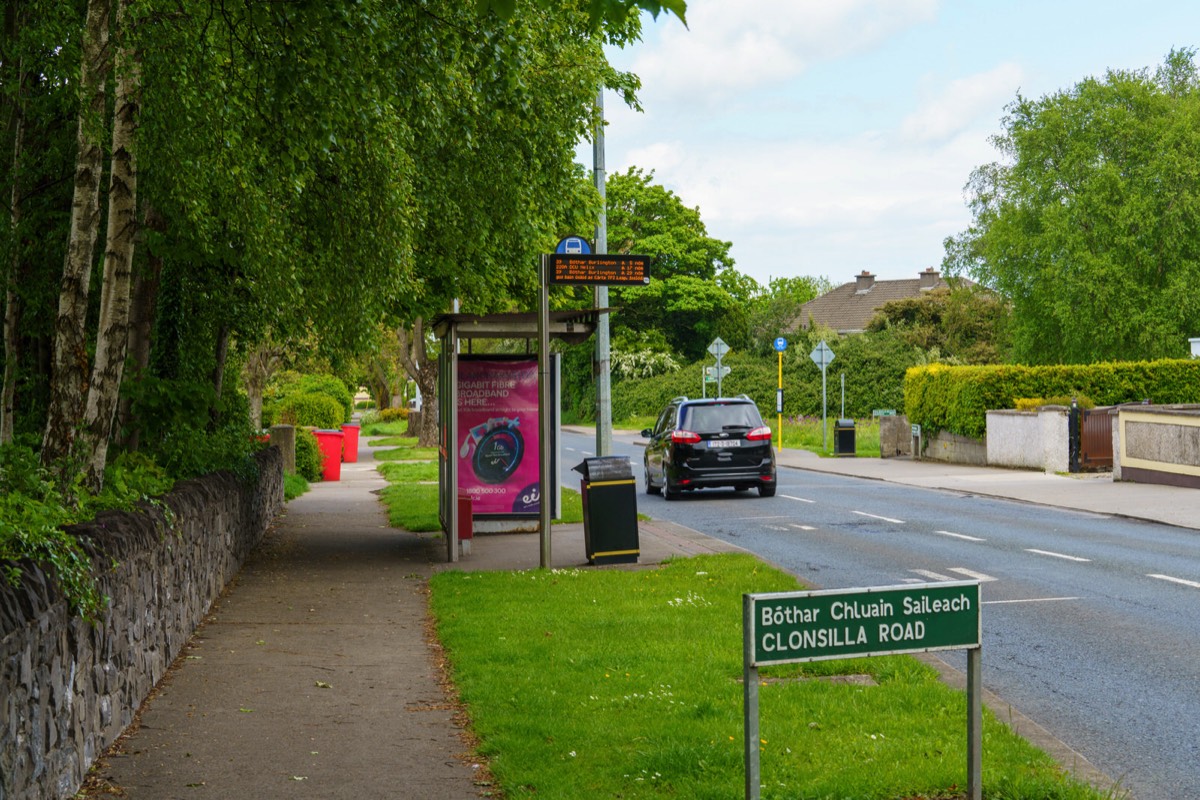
610,526
843,438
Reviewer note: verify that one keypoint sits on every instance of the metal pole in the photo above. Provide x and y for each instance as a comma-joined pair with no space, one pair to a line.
545,418
824,413
780,411
720,378
843,396
602,367
974,724
750,704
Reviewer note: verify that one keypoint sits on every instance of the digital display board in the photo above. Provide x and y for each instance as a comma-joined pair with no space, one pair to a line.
600,270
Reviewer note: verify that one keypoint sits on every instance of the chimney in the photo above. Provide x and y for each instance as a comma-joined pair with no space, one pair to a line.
865,281
929,278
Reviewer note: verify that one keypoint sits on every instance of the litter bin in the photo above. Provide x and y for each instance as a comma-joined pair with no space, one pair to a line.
843,438
350,445
610,527
331,454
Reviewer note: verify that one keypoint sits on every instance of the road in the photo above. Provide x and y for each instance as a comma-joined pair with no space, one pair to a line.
1090,623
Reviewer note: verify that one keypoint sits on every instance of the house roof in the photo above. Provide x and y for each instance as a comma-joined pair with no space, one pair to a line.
851,306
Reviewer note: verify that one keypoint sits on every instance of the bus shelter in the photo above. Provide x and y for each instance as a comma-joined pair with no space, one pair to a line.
493,430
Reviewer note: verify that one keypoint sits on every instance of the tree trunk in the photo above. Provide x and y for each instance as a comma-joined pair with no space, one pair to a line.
260,366
68,379
218,377
143,302
424,371
12,305
113,335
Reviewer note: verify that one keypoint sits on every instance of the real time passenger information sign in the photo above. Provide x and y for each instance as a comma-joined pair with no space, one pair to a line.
600,270
792,627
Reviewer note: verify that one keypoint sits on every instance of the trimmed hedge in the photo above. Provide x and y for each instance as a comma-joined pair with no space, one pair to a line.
956,399
309,460
310,410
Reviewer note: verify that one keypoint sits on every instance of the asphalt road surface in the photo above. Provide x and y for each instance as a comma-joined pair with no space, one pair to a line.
1090,623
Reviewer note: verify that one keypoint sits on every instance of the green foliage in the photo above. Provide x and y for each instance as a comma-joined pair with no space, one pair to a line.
293,486
284,408
1034,403
965,325
874,366
309,462
1090,226
957,399
309,410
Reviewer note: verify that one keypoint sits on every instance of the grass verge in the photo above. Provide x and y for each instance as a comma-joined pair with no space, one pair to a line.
613,683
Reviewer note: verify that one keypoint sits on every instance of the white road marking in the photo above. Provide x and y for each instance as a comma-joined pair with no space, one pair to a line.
804,527
979,576
876,516
1181,581
1030,600
775,527
962,536
933,576
1056,555
800,499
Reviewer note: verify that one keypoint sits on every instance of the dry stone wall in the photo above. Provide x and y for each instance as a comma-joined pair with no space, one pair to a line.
68,688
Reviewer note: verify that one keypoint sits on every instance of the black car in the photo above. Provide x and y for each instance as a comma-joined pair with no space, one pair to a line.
698,444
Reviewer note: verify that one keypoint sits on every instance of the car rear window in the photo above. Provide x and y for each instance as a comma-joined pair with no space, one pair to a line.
714,418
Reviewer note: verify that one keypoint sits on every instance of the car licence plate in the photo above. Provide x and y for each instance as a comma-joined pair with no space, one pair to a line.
717,443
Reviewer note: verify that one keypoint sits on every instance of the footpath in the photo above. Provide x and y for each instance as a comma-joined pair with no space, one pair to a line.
315,674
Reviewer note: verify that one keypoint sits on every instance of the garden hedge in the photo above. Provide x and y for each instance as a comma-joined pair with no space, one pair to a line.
956,399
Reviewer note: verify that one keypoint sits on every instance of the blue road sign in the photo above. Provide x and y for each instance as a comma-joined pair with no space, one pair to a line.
573,245
781,344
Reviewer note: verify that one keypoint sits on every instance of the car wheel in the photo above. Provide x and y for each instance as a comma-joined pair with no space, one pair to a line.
650,487
766,490
669,491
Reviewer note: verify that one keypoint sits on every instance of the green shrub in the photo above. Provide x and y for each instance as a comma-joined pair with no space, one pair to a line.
391,415
309,461
310,410
956,399
287,385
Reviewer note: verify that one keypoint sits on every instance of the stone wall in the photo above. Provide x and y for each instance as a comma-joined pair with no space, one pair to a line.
69,688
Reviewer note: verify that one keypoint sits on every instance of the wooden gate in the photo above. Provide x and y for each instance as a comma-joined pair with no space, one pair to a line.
1092,429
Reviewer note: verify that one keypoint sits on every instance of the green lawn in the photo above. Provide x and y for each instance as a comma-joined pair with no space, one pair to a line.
612,683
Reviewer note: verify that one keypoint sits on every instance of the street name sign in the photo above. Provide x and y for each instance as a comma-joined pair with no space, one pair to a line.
794,627
602,270
850,623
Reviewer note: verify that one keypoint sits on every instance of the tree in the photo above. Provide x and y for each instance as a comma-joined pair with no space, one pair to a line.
1091,227
687,299
966,324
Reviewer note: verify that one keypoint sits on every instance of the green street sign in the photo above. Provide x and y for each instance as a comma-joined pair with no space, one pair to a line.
791,627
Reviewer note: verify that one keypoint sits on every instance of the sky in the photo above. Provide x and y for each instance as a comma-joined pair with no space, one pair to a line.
827,137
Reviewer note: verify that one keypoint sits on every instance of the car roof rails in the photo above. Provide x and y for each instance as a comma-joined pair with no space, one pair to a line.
680,399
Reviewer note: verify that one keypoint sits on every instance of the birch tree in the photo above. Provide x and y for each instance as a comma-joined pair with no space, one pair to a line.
70,366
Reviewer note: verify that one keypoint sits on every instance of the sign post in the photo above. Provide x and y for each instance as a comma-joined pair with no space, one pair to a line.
718,349
572,263
822,356
795,627
780,346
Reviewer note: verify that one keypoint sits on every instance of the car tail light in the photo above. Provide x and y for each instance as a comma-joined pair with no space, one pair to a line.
759,434
685,437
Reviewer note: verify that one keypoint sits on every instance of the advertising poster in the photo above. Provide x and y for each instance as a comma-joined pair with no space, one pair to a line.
498,432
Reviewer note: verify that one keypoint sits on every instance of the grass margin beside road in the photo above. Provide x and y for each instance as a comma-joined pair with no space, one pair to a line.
626,683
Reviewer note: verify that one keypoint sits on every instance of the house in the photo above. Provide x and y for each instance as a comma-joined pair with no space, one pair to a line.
850,307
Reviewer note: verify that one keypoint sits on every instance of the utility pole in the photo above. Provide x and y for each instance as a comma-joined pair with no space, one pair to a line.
601,367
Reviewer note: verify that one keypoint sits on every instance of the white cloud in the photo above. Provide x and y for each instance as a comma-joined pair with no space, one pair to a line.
962,103
731,47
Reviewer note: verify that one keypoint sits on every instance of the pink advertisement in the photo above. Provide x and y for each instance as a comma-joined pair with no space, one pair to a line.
498,435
